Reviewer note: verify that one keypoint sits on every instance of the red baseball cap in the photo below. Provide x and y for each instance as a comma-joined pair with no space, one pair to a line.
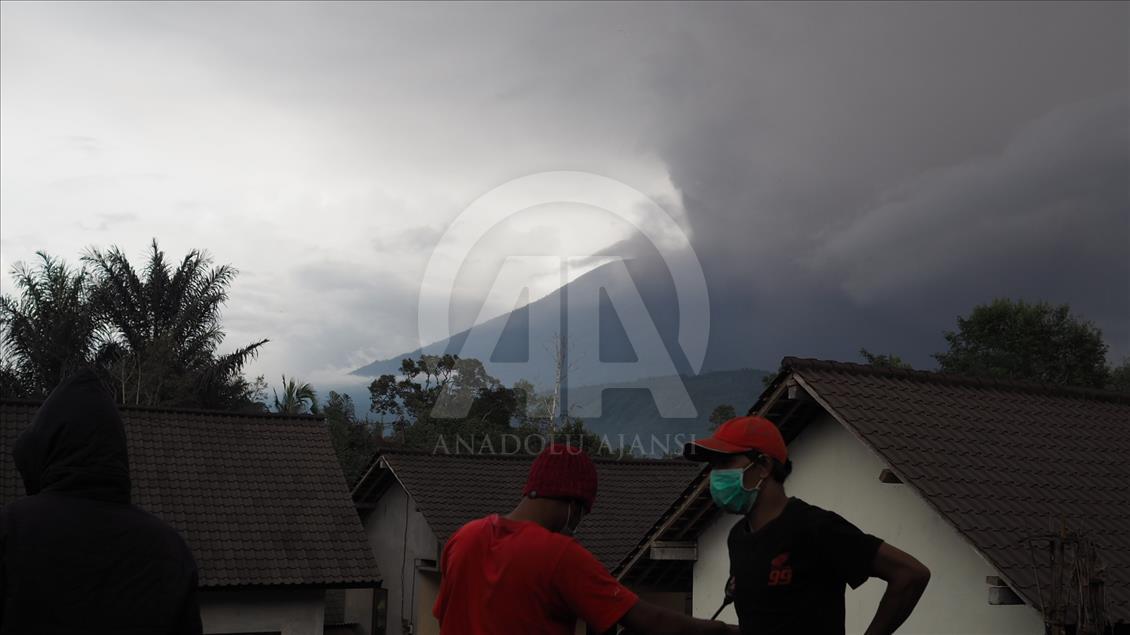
563,471
739,436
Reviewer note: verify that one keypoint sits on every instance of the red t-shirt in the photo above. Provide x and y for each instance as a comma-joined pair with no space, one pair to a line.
506,577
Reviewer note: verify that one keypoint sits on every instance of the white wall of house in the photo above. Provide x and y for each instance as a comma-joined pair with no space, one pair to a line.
298,612
834,470
358,608
427,590
400,538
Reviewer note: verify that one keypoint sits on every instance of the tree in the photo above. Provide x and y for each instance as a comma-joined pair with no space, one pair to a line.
352,438
536,410
1032,342
49,331
444,399
537,414
297,398
883,361
164,330
563,354
442,395
11,386
768,380
1119,377
722,414
573,432
255,394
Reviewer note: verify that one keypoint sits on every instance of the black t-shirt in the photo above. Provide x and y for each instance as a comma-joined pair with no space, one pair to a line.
790,575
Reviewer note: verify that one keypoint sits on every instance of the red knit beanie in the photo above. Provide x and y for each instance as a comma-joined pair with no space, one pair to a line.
562,471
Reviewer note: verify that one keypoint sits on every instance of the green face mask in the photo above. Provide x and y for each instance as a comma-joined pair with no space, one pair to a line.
729,493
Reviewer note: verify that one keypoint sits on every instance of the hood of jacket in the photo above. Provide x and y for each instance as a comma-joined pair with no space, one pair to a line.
76,445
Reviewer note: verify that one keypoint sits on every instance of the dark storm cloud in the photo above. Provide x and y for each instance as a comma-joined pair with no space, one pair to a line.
1046,213
858,175
851,174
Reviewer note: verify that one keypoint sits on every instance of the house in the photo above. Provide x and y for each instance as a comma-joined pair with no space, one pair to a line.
976,478
260,499
412,501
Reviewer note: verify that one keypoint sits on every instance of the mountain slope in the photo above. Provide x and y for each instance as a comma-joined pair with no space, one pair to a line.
628,408
603,354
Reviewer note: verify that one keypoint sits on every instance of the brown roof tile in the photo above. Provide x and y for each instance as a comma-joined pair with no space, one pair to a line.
1001,461
260,499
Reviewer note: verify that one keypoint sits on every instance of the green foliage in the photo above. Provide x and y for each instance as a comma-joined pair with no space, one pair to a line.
449,402
164,329
573,432
255,394
883,361
11,386
768,380
1037,342
49,331
537,416
1119,377
297,398
442,396
721,414
353,439
153,335
535,410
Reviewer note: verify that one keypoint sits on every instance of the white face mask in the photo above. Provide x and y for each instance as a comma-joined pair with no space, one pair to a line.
567,530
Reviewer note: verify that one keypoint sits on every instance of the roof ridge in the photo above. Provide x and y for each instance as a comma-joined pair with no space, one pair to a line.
524,457
182,410
951,379
249,467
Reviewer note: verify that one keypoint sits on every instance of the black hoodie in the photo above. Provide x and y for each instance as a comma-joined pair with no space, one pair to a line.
77,557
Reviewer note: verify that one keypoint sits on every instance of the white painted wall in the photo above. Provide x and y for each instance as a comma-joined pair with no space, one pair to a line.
834,470
427,590
299,612
359,608
712,570
671,600
398,536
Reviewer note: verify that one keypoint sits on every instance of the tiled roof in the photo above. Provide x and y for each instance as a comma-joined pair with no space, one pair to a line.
260,499
452,489
1001,461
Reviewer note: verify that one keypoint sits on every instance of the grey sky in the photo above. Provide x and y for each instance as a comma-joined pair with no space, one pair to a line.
908,160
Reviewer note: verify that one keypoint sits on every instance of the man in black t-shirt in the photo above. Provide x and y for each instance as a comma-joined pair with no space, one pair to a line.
790,562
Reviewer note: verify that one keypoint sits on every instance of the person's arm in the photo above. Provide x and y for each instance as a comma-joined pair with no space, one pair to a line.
857,556
646,617
602,602
906,579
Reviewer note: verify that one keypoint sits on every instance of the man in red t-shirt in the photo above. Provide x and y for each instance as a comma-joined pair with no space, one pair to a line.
523,573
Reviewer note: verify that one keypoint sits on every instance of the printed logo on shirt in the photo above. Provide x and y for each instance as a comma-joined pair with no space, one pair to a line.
780,572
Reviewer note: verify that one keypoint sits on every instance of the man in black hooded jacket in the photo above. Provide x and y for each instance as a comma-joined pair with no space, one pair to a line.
77,557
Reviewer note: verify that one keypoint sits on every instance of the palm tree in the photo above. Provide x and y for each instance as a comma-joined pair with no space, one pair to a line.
296,398
163,329
49,331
